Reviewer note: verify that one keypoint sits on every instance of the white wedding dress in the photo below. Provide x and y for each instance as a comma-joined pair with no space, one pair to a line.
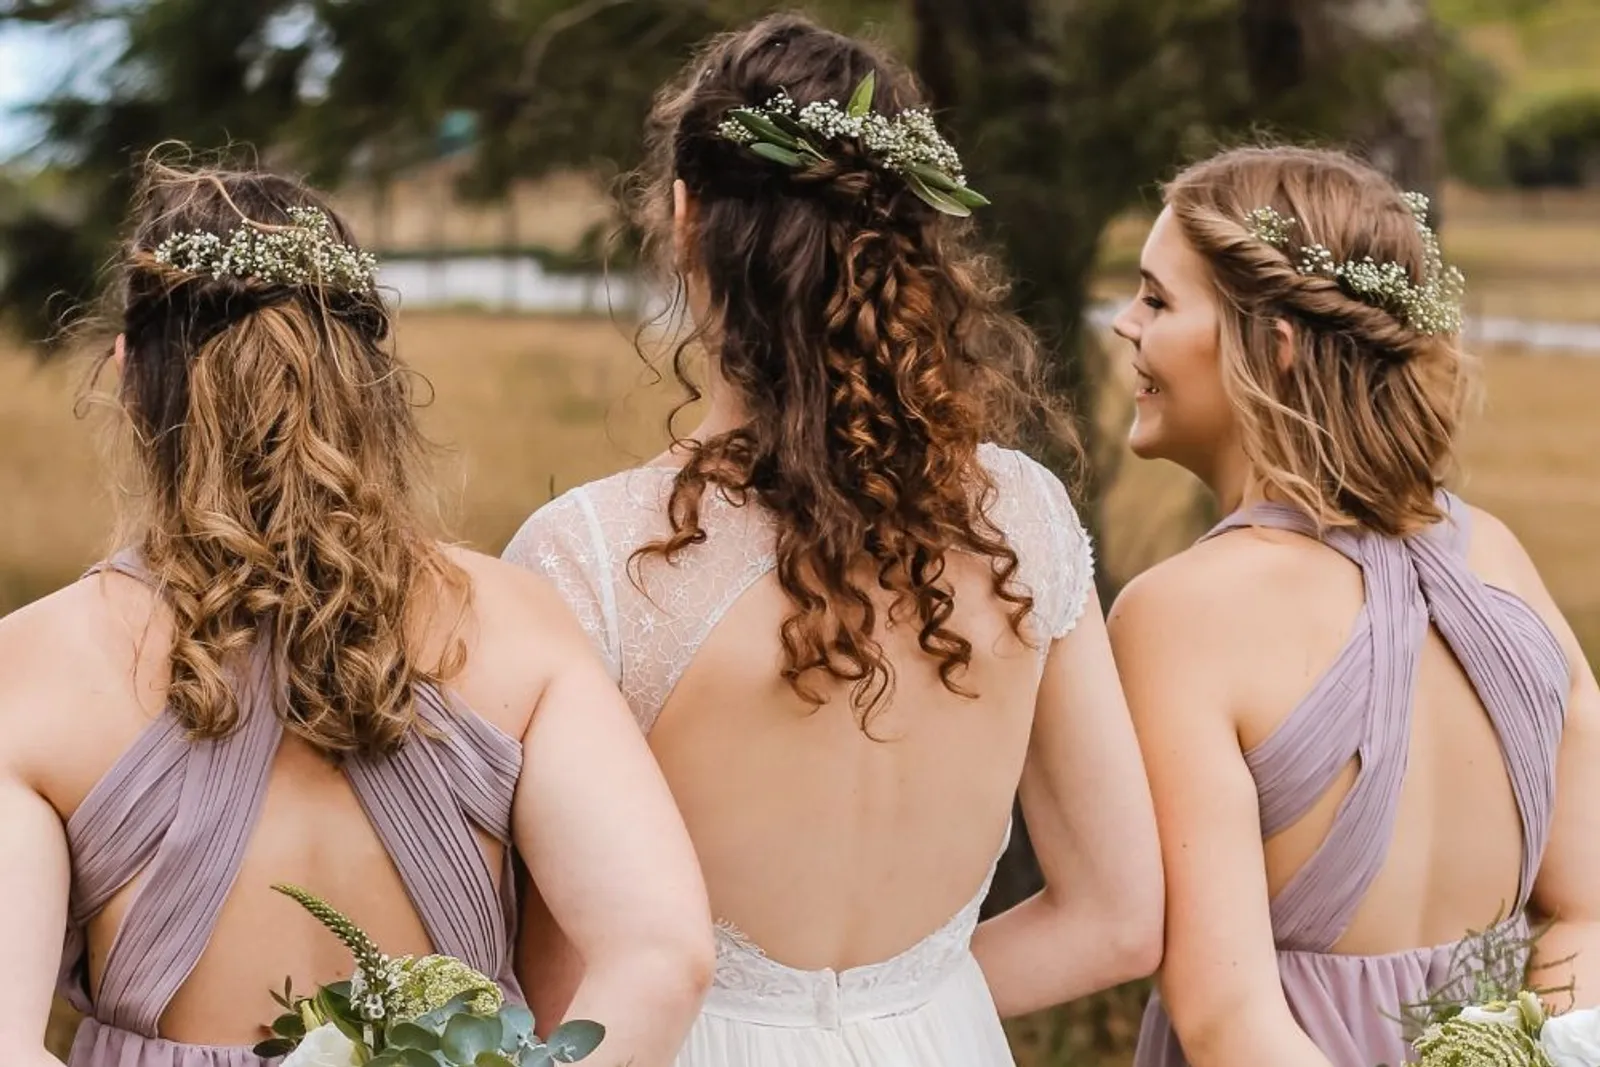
926,1007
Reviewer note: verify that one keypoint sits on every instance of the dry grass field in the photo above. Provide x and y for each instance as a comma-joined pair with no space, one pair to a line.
524,406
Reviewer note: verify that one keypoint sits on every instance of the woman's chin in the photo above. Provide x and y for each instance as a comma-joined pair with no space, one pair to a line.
1144,442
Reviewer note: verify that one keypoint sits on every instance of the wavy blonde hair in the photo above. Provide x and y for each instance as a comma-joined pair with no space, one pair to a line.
278,451
1359,428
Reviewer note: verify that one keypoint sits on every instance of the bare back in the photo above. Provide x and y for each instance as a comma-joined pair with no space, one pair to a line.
1455,849
828,846
117,769
1377,722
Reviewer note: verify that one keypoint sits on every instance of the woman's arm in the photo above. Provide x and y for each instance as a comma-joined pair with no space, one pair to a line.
608,851
1097,922
35,878
1566,892
1219,979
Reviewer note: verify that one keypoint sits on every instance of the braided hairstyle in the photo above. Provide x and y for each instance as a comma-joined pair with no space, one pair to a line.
1358,429
868,344
275,438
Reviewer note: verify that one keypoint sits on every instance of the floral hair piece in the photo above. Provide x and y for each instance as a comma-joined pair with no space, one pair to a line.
1434,307
305,252
908,143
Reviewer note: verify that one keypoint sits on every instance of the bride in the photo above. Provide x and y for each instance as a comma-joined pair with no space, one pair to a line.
850,626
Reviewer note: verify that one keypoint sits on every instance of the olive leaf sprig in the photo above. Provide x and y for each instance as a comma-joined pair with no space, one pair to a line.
907,143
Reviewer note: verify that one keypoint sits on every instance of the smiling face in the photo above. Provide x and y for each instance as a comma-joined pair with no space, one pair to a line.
1182,411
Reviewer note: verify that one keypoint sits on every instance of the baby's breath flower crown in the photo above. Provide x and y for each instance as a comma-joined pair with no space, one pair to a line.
1434,307
908,143
305,252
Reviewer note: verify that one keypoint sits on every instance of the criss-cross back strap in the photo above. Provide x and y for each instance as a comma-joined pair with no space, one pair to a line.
423,801
175,907
1520,674
1316,905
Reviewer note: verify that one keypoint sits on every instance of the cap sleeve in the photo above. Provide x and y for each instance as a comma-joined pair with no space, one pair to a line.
564,542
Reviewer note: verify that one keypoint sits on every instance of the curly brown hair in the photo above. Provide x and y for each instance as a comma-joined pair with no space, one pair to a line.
276,440
1359,428
869,345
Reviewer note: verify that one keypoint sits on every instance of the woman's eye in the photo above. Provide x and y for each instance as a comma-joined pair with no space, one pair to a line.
1154,302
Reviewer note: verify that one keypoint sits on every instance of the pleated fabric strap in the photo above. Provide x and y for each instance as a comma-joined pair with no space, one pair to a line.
423,801
1362,708
175,908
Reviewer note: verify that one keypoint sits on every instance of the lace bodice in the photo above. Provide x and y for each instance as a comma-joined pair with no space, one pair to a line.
648,631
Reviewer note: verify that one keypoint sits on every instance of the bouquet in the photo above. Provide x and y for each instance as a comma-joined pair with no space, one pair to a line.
1514,1033
1485,1016
432,1011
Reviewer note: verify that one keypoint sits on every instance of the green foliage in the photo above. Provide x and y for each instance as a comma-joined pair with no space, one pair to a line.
1556,143
429,1012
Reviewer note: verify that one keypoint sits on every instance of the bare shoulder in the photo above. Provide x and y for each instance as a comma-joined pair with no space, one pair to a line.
518,612
1209,595
1498,557
1496,551
68,650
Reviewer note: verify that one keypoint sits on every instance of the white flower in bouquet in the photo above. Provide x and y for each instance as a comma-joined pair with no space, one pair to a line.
1572,1039
326,1046
1496,1011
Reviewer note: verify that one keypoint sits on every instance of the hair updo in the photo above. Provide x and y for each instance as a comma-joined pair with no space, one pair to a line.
1359,427
278,450
868,343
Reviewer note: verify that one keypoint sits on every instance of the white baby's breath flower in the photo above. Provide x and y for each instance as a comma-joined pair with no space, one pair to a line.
1572,1039
326,1046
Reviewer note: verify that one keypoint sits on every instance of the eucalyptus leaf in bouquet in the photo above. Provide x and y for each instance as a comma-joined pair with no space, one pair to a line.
406,1011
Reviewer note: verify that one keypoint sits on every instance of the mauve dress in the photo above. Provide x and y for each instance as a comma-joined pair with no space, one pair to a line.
1361,709
182,813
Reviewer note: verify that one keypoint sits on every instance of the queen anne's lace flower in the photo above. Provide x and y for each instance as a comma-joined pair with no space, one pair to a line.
1433,307
307,251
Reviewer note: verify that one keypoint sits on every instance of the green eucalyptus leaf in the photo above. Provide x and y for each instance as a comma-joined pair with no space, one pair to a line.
278,1046
415,1057
574,1040
339,989
436,1019
861,99
935,199
289,1025
762,127
389,1057
516,1023
775,154
467,1036
492,1059
536,1056
410,1035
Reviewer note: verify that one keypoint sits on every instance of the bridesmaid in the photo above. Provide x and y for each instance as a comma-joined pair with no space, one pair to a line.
283,678
1367,727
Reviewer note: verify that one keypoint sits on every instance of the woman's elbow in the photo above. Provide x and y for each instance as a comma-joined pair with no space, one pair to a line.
675,969
1140,933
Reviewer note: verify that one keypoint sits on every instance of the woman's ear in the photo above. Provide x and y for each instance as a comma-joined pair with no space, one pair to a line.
1286,345
119,351
682,222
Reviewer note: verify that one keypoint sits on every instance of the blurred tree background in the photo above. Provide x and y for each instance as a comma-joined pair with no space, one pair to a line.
1068,113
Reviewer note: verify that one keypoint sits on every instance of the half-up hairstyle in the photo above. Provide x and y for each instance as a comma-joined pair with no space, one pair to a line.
1358,429
276,442
867,342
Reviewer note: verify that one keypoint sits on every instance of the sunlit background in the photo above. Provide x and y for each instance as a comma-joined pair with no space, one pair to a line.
476,143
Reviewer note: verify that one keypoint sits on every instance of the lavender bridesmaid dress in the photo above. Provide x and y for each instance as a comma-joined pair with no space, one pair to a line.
1361,709
181,813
